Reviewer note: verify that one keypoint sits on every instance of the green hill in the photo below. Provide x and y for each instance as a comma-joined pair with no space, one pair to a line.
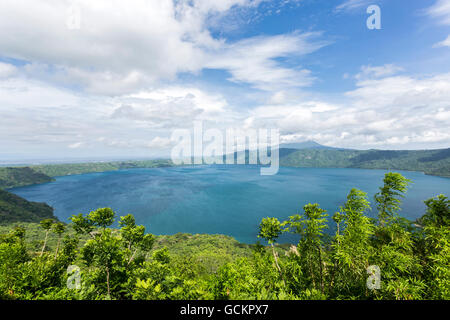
55,170
16,209
433,162
21,176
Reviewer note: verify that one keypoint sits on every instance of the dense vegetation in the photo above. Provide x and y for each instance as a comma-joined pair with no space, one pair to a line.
21,176
16,209
412,258
54,170
433,162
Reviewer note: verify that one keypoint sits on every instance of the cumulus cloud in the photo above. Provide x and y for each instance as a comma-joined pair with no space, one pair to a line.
388,111
382,112
139,42
440,10
121,46
377,71
34,114
172,107
444,43
7,70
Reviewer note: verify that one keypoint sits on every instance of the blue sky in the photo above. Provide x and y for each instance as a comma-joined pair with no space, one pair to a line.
115,79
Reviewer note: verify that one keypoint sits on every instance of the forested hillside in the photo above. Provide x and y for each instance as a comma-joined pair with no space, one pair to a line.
54,170
16,209
433,162
21,176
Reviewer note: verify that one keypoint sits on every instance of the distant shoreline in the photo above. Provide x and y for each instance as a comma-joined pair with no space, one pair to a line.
52,178
430,162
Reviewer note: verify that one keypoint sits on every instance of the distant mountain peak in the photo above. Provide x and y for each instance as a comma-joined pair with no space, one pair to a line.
309,144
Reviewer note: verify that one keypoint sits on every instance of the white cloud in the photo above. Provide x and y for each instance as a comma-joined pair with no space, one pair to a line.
75,145
159,143
440,10
444,43
7,70
116,40
368,72
353,4
123,46
172,107
382,112
35,115
253,60
409,92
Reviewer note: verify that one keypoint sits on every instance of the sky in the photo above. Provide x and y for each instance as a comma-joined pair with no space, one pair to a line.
102,79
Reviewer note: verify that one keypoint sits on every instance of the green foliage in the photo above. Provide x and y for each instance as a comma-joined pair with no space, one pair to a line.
46,224
436,247
433,162
352,249
438,212
21,176
270,229
102,218
310,227
388,199
16,209
59,228
82,224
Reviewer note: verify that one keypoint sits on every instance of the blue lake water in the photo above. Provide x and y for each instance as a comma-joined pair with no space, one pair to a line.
229,200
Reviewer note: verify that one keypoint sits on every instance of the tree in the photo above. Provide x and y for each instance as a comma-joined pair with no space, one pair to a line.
436,258
270,229
102,218
134,236
59,229
388,199
310,226
112,251
13,256
438,212
46,224
82,224
352,249
104,249
394,243
104,252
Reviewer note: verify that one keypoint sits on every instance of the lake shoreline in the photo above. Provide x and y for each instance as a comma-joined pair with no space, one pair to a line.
173,165
213,199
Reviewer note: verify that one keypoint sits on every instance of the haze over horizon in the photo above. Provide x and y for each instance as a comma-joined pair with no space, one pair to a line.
96,80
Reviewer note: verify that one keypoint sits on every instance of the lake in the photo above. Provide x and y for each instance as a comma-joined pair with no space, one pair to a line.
229,200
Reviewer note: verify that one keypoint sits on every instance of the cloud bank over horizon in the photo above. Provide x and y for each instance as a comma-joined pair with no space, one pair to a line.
109,78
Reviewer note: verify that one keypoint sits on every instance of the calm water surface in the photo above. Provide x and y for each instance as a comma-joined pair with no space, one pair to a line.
227,200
